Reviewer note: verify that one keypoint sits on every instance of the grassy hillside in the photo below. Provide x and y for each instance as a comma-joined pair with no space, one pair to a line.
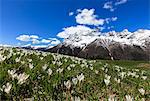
32,75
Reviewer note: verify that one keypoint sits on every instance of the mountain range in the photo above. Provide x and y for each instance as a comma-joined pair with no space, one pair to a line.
112,45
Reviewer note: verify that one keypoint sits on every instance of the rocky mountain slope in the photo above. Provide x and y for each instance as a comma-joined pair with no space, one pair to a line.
123,45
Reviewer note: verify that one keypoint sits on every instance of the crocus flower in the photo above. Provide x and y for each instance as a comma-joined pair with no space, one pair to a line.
128,98
75,81
142,91
67,84
44,67
49,71
80,77
22,78
7,87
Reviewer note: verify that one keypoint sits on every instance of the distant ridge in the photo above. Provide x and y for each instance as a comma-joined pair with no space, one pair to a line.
113,45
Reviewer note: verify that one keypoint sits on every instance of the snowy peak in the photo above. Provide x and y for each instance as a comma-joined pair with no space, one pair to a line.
79,36
83,37
113,45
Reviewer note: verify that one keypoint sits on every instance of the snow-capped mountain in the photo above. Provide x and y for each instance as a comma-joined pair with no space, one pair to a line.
139,37
123,45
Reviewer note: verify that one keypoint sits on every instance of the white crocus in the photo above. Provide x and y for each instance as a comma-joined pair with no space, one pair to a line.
30,60
12,73
143,99
122,74
7,87
2,58
103,68
91,67
69,68
111,98
67,84
107,76
142,91
96,71
106,70
17,59
31,66
117,80
128,98
44,67
22,62
41,58
133,74
107,81
136,76
60,70
49,71
80,77
75,81
22,78
144,77
77,98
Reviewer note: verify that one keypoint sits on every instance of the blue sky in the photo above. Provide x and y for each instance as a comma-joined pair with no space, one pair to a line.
46,18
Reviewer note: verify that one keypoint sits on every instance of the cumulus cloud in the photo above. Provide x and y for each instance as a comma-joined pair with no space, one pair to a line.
45,41
34,40
87,17
55,42
23,38
27,37
74,30
111,5
34,36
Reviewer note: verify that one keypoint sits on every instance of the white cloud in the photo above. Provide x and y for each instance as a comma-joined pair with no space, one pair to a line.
34,36
79,30
55,42
119,2
71,13
114,18
108,20
23,38
35,41
27,38
109,5
101,28
45,41
87,17
53,38
110,27
5,45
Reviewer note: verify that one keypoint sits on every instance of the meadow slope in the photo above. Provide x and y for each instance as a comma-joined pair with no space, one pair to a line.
33,75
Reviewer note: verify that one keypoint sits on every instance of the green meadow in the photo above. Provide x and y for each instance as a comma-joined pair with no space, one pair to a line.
27,75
